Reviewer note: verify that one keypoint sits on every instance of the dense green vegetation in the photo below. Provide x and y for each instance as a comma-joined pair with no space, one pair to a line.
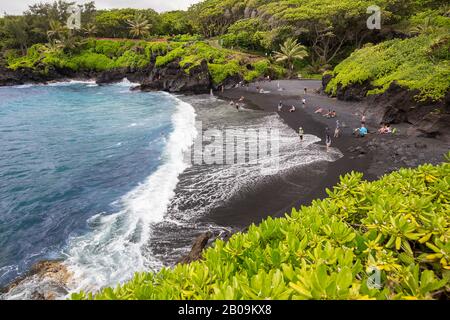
330,29
421,63
397,227
101,55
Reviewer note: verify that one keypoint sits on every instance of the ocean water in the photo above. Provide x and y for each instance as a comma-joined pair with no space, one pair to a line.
99,177
83,170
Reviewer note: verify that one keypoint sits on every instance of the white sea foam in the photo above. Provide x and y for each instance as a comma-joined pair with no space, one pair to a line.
71,82
126,83
205,187
24,86
114,248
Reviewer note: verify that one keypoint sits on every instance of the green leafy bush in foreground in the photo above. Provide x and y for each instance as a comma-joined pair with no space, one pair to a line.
421,63
396,228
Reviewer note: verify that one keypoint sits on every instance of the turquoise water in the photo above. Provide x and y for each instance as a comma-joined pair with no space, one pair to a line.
72,154
100,177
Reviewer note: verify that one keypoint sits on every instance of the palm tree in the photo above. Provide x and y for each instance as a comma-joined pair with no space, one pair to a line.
67,42
56,29
290,51
90,30
139,26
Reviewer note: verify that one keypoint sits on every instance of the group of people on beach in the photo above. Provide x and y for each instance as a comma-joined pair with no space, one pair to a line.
361,131
239,104
330,114
281,106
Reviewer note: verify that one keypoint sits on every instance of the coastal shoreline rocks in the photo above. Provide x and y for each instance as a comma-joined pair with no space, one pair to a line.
51,279
372,156
170,78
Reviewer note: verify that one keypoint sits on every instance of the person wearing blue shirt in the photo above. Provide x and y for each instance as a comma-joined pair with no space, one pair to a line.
363,131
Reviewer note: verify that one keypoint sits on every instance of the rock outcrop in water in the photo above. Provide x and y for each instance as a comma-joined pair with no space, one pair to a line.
398,105
47,280
197,249
173,78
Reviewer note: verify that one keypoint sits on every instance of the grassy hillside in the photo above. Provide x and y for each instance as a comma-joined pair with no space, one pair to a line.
101,55
397,227
421,63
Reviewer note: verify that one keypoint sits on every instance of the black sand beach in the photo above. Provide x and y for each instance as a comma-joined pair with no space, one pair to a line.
374,155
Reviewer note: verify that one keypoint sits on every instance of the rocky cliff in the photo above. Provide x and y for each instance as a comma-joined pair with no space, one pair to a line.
171,77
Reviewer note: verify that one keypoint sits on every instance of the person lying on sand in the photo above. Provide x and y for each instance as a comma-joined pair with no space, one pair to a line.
242,98
292,109
319,110
388,128
382,129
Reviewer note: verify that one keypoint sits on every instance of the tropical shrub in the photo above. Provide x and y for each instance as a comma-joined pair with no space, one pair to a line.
387,239
219,72
92,61
186,38
101,55
419,63
169,57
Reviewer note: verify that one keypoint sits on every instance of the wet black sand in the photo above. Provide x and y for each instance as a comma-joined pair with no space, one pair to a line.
301,187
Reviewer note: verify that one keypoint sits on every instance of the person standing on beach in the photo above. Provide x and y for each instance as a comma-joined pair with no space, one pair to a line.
305,90
280,106
301,132
304,102
337,131
327,138
363,119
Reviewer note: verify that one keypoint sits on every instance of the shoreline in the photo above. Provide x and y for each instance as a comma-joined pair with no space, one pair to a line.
369,155
300,187
317,183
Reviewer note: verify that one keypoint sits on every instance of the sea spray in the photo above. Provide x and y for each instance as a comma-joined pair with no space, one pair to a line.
115,247
72,162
